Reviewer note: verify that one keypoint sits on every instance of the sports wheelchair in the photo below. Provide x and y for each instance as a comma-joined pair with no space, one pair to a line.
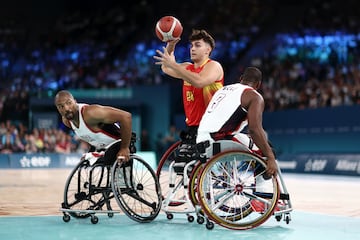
222,182
92,185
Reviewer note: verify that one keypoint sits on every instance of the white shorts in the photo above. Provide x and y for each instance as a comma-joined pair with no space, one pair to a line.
240,137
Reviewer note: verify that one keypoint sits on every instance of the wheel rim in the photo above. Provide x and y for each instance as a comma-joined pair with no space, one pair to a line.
139,195
230,191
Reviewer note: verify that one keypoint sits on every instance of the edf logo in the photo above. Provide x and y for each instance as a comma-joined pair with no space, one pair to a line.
26,162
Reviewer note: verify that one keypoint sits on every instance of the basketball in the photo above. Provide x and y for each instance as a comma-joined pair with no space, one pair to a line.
168,28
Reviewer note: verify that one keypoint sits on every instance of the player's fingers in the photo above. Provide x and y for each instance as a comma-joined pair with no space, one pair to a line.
120,159
160,53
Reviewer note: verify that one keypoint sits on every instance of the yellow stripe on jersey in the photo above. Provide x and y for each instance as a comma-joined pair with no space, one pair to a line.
209,91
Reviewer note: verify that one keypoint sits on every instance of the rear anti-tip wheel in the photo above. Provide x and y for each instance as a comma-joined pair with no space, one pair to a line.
200,220
94,219
66,218
209,225
169,216
191,218
287,219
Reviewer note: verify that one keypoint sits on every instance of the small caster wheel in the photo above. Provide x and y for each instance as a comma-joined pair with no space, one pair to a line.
110,215
66,218
278,218
191,218
209,225
94,219
200,220
169,216
287,219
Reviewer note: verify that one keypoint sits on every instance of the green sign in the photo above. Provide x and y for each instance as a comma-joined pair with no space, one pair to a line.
125,93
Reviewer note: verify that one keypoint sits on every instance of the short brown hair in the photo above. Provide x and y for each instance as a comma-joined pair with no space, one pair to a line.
202,34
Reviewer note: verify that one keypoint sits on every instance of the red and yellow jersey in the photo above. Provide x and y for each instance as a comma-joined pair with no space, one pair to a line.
195,100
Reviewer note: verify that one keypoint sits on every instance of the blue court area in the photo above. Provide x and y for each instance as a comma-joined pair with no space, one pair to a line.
302,226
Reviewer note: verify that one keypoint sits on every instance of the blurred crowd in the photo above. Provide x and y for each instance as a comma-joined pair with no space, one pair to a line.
17,138
311,73
313,63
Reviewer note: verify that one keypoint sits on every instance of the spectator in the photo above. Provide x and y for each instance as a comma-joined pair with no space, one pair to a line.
7,143
171,137
63,145
145,141
30,146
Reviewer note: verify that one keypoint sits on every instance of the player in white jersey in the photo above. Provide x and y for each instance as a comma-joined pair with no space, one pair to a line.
103,127
231,109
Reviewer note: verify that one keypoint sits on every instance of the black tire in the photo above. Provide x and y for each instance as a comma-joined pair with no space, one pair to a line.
66,218
162,173
136,189
232,182
76,191
79,193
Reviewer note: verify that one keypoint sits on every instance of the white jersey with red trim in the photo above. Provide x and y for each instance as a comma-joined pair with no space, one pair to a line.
99,139
224,115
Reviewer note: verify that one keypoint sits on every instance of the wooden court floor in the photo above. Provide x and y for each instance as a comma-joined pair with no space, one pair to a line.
36,192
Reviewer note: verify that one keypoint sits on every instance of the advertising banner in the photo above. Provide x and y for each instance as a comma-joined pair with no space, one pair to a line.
333,164
24,160
314,163
4,161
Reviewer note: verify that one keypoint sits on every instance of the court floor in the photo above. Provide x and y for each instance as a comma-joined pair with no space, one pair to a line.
303,226
325,207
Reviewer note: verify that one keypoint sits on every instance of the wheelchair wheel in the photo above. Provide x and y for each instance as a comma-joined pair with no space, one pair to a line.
233,193
162,174
80,190
137,189
193,183
194,198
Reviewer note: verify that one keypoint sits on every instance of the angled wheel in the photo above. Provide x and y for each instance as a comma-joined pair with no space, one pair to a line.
193,183
137,189
162,173
233,193
194,196
77,193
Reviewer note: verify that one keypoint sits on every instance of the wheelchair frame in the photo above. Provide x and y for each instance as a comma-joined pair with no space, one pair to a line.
241,215
133,184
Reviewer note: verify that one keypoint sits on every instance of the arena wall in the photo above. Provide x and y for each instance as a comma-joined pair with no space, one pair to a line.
54,160
315,163
322,130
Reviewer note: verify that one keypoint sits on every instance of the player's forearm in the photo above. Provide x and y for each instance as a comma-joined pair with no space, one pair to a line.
194,79
261,142
170,47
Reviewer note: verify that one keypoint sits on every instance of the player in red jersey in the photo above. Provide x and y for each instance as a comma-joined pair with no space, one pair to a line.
201,78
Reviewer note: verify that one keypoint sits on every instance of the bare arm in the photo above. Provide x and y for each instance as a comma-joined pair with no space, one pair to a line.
255,106
211,72
170,46
96,114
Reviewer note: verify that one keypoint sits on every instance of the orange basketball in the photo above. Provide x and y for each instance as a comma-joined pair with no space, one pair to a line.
168,28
